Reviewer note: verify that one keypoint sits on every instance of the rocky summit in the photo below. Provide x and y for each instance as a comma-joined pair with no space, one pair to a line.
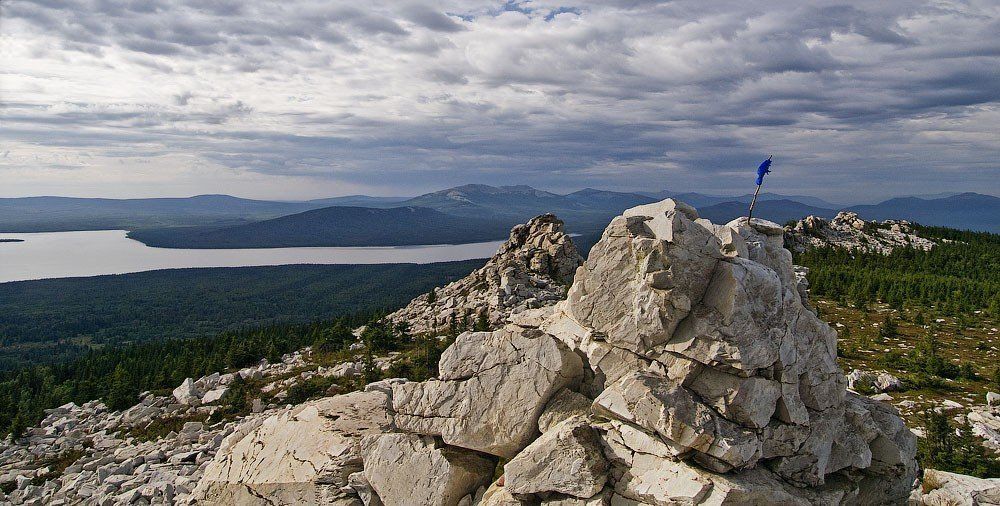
682,368
848,231
682,365
532,269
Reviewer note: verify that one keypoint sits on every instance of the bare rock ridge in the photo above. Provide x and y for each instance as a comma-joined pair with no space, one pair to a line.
683,368
532,269
848,231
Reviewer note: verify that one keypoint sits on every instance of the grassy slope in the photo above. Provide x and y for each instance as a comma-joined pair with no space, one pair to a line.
974,338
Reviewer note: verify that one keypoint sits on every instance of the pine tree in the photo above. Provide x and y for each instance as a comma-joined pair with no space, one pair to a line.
120,395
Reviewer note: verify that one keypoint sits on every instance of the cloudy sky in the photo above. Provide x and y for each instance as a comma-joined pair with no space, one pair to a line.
300,99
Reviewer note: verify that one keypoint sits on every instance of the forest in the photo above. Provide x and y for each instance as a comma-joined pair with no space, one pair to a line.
53,320
118,374
959,275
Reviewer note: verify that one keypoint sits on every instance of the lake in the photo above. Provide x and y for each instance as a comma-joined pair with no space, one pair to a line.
92,253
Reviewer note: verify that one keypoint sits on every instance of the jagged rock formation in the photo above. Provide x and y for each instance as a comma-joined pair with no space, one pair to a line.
530,270
698,339
683,368
849,231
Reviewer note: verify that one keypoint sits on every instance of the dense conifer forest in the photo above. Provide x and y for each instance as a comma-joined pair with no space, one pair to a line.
54,320
960,275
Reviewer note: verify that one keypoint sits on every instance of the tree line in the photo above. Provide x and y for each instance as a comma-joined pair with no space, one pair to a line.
960,274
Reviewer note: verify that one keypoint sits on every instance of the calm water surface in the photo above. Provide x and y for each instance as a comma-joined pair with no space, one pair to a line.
92,253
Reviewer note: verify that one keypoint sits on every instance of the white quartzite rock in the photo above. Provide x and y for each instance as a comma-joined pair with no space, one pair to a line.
303,456
698,336
492,388
713,382
530,270
941,488
848,231
406,469
567,460
186,393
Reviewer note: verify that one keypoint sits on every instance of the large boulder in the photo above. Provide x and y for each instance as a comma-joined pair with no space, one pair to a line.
566,460
532,269
491,390
410,469
303,455
186,392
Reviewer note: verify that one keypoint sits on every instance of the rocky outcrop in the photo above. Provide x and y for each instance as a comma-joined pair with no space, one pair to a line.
848,231
941,488
530,270
684,367
706,361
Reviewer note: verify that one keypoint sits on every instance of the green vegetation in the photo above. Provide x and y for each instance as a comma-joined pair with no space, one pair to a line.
118,374
54,320
335,226
958,276
928,317
954,449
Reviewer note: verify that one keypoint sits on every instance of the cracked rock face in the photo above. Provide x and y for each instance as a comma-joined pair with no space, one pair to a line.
684,367
301,456
410,469
567,460
530,270
491,390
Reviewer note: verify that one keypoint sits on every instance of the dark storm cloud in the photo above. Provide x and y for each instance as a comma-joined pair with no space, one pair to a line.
410,95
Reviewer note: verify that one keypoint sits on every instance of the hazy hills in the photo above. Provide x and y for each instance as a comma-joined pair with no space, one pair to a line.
335,226
50,214
965,211
467,213
778,211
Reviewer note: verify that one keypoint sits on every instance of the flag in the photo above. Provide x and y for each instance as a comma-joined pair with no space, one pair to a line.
764,168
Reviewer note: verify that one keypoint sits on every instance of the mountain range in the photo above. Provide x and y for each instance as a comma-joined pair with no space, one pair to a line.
334,226
465,213
53,214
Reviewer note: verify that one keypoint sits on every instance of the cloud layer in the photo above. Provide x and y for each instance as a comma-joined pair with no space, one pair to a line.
857,101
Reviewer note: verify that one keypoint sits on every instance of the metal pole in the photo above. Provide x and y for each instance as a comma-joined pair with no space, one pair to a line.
752,202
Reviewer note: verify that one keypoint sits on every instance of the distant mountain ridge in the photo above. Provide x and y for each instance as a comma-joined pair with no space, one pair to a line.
965,211
53,214
334,226
164,221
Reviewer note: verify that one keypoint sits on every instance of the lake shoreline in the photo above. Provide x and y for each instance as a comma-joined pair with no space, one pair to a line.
49,255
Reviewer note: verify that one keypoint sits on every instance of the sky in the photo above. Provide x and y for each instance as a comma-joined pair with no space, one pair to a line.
857,101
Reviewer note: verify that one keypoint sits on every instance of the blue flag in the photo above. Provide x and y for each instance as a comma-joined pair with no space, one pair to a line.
764,168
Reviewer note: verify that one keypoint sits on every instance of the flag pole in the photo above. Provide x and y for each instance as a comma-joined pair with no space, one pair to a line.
752,202
757,191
